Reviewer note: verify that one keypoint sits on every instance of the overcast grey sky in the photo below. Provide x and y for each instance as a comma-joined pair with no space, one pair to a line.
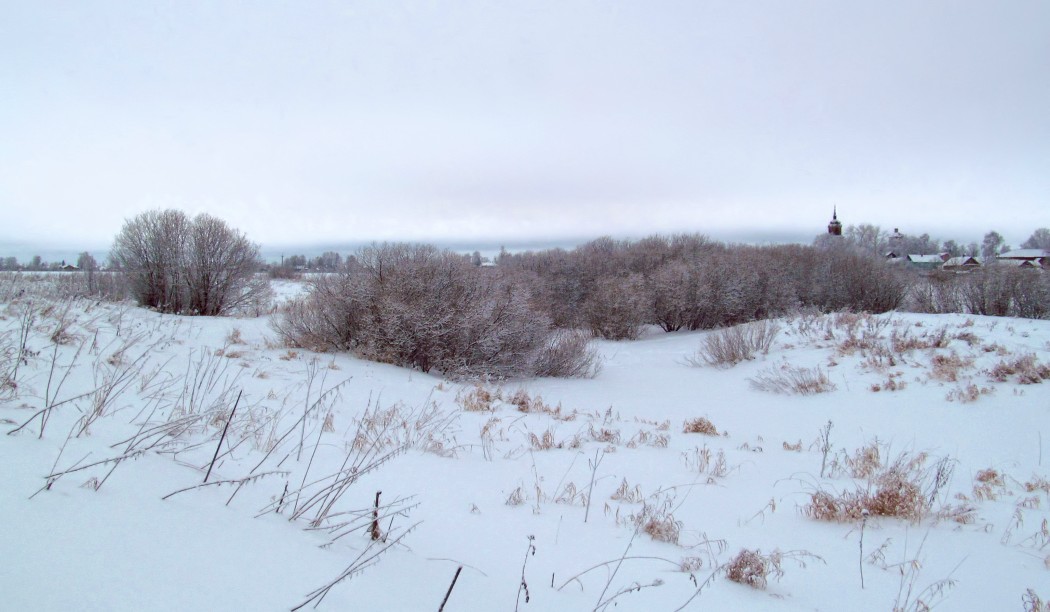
473,120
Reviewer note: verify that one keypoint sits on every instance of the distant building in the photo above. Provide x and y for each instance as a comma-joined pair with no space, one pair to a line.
835,227
1031,257
961,264
928,262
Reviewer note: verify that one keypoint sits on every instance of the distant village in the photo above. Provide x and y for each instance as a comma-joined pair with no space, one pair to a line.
920,253
923,253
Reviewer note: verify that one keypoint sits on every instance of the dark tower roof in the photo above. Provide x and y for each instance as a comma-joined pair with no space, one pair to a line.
835,227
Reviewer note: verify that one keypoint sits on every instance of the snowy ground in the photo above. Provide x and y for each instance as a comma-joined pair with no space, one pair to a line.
558,507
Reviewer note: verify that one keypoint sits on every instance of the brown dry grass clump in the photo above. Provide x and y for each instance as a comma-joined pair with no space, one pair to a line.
1033,603
903,489
478,399
989,484
947,367
752,568
789,379
700,425
1026,367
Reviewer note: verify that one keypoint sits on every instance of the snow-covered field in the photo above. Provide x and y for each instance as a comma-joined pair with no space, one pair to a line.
550,494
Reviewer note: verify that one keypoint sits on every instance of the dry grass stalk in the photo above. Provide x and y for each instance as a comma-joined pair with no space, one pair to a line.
626,494
790,379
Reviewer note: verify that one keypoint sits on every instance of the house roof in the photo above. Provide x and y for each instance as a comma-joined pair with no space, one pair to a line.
926,259
966,260
1019,263
1025,254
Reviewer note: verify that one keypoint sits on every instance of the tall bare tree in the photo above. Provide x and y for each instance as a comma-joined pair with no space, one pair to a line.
191,266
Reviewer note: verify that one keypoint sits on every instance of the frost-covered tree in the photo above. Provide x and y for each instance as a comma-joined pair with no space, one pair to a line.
1040,239
181,265
992,245
86,261
953,248
867,237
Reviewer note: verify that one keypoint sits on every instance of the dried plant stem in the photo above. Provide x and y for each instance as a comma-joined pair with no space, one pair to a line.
524,585
860,560
441,608
375,531
576,578
365,559
236,481
225,428
598,456
616,569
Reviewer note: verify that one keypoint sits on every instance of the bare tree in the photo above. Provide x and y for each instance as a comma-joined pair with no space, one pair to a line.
175,264
1040,239
992,245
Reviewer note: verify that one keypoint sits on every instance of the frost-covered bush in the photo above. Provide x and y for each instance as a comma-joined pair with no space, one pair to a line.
415,306
616,308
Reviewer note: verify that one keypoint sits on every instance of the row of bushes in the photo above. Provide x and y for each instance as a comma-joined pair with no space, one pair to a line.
414,305
614,288
996,290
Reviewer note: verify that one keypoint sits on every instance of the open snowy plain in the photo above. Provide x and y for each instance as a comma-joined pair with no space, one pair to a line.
158,462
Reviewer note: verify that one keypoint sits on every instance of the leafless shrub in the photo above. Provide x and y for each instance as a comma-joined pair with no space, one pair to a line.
616,309
416,306
700,425
566,354
732,345
789,379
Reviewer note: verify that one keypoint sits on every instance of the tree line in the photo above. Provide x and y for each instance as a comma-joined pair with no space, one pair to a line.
534,313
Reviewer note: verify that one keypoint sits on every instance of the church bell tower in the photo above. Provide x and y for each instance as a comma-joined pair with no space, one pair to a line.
835,227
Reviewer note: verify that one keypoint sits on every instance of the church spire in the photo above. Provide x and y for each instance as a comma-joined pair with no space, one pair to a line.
835,227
